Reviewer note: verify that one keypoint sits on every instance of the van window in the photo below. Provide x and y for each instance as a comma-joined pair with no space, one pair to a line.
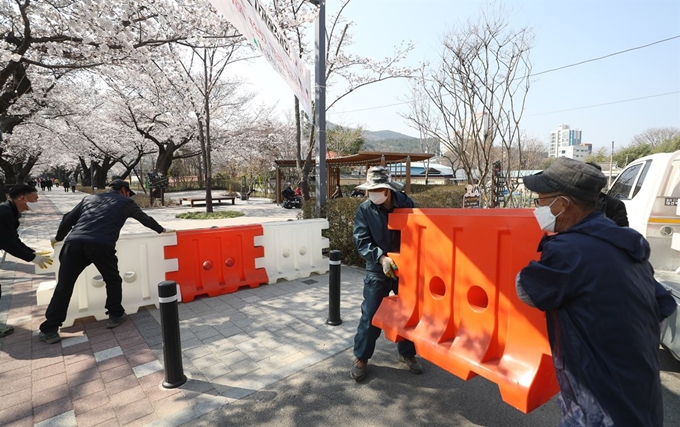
624,184
643,174
672,187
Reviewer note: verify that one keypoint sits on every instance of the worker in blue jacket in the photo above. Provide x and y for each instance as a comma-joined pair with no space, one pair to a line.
374,241
603,308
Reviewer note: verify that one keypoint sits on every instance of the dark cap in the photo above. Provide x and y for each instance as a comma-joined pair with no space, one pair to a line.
117,184
19,190
570,177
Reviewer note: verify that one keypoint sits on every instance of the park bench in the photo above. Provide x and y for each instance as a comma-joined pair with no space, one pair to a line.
217,199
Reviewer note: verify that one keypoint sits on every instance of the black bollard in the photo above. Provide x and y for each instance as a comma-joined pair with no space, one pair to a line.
334,289
172,345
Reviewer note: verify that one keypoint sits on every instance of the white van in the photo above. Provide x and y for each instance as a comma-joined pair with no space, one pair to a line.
650,189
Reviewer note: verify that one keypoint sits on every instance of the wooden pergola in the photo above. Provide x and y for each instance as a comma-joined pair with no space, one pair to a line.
363,158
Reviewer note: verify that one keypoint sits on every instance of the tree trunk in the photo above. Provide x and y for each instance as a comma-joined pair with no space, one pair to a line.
208,194
17,171
165,156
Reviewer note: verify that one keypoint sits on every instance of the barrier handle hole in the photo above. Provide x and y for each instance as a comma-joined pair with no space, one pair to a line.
437,288
478,299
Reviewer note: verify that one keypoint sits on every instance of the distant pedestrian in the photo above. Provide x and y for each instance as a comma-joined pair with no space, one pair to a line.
288,193
597,287
48,184
93,228
374,240
338,192
66,185
20,196
73,186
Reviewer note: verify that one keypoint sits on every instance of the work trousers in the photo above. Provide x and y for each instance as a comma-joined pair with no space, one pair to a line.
376,287
73,259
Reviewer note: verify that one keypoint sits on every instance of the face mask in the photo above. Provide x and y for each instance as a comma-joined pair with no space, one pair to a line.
31,206
546,219
377,198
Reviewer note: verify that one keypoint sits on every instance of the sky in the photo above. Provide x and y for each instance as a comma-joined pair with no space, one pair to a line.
612,99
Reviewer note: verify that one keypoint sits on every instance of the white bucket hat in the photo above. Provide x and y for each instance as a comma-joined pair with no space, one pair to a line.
380,177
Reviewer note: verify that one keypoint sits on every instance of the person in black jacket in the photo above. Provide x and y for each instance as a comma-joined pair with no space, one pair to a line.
93,228
615,210
20,196
612,207
288,193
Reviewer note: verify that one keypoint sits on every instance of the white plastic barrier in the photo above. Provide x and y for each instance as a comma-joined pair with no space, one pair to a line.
293,249
142,266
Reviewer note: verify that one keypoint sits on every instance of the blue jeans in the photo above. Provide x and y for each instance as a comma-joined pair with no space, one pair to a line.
376,287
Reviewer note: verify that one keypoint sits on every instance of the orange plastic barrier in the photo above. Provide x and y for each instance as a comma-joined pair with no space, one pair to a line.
457,299
216,261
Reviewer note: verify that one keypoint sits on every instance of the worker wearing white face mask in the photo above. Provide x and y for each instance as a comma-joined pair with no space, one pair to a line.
546,219
602,303
374,241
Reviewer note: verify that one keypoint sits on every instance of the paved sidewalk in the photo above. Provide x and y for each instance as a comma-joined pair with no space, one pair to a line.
259,357
233,345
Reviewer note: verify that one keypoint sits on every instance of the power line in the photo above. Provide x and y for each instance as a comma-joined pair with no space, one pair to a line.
606,103
537,74
605,56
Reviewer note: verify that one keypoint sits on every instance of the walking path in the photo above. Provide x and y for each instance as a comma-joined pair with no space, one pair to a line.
233,345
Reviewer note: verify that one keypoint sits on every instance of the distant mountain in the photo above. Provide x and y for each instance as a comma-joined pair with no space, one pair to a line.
390,141
387,141
370,135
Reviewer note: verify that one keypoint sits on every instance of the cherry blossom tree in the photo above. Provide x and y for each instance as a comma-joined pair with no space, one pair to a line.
44,41
217,103
153,107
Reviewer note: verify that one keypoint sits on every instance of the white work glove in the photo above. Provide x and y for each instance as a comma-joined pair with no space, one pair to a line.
388,266
53,241
42,261
168,230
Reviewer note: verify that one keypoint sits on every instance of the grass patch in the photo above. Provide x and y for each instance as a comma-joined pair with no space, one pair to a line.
211,215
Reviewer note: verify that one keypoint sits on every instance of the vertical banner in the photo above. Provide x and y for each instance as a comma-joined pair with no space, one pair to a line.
253,21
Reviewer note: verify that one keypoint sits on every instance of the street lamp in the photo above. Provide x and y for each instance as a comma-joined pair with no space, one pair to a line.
320,104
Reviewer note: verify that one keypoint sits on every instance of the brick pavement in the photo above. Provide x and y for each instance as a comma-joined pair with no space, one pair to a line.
233,345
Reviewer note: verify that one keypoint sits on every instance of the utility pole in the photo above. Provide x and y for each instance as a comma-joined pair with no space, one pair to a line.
611,163
320,106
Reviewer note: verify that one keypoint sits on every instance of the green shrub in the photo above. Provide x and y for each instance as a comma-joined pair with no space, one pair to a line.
211,215
440,196
341,212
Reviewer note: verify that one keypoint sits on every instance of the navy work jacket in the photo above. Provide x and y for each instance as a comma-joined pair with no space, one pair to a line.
597,287
371,235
